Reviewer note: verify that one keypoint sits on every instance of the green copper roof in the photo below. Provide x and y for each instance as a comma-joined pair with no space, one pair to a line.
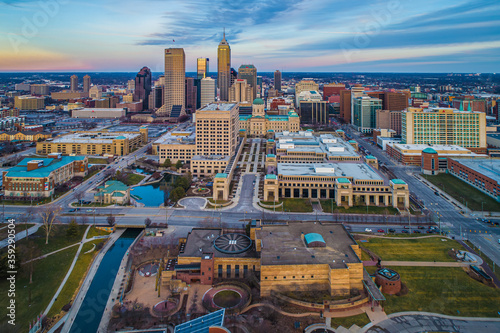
121,137
343,180
429,151
271,177
398,181
271,155
352,141
313,237
258,101
370,157
49,165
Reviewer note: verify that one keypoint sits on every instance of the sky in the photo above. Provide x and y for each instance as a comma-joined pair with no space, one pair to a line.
292,36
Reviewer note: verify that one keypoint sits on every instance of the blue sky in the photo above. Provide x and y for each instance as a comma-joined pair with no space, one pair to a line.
296,35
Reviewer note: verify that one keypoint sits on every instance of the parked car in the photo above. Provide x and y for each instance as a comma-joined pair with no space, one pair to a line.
368,230
380,230
89,210
416,231
392,230
405,231
436,193
406,227
72,210
421,227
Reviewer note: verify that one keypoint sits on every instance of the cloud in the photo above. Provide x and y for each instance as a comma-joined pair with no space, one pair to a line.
39,59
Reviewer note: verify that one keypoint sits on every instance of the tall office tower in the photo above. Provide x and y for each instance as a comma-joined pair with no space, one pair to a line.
345,105
40,89
86,83
234,76
207,91
277,80
364,115
156,98
241,91
304,85
392,100
191,95
202,67
444,126
223,121
224,68
356,91
259,86
143,87
249,73
389,120
131,85
175,75
74,83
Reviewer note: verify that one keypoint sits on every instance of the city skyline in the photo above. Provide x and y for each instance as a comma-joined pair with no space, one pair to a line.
298,36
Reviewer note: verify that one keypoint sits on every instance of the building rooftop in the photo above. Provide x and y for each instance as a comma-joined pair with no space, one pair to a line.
218,107
429,150
287,245
211,158
486,166
184,137
305,141
47,166
94,137
356,171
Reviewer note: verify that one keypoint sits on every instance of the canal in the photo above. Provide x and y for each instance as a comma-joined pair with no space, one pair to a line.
153,195
90,313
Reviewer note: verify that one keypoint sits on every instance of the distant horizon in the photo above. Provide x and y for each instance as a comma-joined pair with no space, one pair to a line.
215,73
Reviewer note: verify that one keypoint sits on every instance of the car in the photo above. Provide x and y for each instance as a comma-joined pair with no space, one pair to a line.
406,227
392,230
380,230
347,227
405,231
429,231
421,227
72,210
436,193
89,210
416,231
368,230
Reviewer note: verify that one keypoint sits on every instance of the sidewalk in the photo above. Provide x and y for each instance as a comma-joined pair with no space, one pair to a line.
21,235
425,263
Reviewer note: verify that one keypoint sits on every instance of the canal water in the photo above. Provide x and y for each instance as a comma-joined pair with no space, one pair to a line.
153,195
90,313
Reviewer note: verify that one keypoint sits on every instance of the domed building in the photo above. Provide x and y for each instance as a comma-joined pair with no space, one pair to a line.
430,161
259,123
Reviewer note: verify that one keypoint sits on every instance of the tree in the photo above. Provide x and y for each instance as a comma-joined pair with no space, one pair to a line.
111,220
179,164
72,230
177,194
79,196
167,163
147,222
49,215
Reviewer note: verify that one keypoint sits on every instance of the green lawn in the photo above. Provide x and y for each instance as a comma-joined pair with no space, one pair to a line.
444,290
133,179
422,249
96,232
47,275
19,226
73,282
464,192
360,320
90,174
93,160
291,205
327,208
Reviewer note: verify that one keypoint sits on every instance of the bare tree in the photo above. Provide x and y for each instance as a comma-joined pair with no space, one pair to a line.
79,196
111,220
49,214
147,222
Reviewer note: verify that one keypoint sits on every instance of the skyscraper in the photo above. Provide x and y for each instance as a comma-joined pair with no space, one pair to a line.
224,68
175,76
86,83
277,80
240,92
249,73
191,95
207,91
143,87
74,83
202,67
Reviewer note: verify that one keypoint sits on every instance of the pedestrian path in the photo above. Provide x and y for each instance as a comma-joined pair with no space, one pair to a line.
425,263
21,235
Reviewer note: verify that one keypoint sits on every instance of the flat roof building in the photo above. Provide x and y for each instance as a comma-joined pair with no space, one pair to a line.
101,113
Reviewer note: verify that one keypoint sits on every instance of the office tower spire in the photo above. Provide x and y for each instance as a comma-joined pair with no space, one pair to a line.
224,67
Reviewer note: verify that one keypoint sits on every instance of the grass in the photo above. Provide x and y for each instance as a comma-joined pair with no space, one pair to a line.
485,258
93,160
133,179
360,320
96,232
327,208
47,276
444,290
90,174
365,256
291,205
93,204
462,191
227,298
77,275
19,226
423,249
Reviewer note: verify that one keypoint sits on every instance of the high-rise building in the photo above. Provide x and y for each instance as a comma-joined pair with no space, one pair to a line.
332,89
156,98
191,95
277,80
143,87
223,68
303,86
86,83
345,105
175,75
356,91
202,67
249,73
392,100
389,120
208,91
444,126
364,115
74,83
39,89
241,91
131,85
